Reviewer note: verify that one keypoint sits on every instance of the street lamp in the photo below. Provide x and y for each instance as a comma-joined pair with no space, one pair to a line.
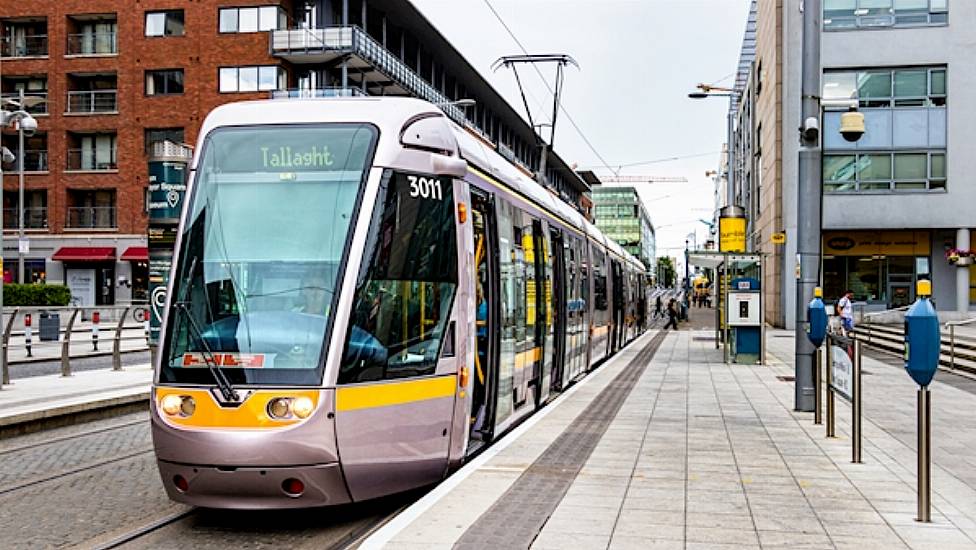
26,124
706,91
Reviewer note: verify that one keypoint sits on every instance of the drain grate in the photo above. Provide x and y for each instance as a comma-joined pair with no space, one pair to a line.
516,518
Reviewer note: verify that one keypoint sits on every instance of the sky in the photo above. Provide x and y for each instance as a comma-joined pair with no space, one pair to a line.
638,61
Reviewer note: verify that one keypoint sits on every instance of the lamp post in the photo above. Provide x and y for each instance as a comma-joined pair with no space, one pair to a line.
25,123
707,91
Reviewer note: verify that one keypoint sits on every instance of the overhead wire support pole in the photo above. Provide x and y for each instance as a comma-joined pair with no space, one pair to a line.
809,210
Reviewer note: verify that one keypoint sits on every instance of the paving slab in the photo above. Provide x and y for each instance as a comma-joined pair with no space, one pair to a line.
702,454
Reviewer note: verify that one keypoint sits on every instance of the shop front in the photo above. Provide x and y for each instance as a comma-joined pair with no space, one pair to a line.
879,267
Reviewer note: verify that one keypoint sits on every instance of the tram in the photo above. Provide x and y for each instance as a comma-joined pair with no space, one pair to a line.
363,295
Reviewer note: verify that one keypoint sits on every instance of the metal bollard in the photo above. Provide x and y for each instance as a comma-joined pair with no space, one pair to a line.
27,333
117,344
66,345
856,405
830,393
96,317
818,398
4,342
924,456
952,347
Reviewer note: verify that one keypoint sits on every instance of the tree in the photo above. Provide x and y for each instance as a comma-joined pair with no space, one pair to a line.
665,269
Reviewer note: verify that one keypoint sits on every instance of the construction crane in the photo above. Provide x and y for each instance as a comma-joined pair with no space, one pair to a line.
643,179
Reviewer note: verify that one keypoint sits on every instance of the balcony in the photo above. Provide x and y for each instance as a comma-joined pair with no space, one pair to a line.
34,218
92,102
35,160
368,59
92,160
91,217
103,43
39,109
31,45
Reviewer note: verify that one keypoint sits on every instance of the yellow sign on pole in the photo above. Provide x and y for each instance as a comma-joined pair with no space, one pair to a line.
732,234
778,238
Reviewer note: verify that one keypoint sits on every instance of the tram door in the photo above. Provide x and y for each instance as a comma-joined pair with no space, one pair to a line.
559,315
486,291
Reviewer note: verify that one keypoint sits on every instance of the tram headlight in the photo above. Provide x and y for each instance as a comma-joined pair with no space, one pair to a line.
171,404
279,408
302,407
187,406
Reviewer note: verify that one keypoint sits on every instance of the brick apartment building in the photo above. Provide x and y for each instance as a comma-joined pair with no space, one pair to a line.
118,75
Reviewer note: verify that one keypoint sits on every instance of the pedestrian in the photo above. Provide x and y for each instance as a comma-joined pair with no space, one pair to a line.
672,315
658,304
846,307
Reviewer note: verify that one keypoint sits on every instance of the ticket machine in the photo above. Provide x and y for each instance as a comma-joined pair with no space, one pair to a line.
744,312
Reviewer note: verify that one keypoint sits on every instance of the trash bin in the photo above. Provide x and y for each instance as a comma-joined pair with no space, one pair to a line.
50,327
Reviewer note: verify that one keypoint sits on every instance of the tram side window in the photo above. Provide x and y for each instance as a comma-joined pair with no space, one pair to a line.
510,304
407,282
600,301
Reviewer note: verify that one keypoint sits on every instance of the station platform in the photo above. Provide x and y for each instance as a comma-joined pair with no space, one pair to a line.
679,450
40,398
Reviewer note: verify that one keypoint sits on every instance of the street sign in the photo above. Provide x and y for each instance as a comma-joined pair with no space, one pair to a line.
842,369
778,238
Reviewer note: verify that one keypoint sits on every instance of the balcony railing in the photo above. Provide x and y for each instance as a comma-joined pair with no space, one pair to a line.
100,43
100,101
35,217
39,109
33,45
91,217
352,39
35,160
317,92
92,159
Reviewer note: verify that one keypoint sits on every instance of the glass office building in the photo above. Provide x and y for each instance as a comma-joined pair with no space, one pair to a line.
620,214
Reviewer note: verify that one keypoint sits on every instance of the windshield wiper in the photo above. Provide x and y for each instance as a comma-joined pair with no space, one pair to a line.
226,389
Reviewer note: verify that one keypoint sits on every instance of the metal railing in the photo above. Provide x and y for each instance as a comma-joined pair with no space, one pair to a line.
38,109
124,323
92,159
317,92
951,326
35,217
35,160
99,43
99,101
91,217
355,40
32,45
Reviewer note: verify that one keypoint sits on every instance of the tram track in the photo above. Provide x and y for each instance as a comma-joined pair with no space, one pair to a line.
73,471
70,437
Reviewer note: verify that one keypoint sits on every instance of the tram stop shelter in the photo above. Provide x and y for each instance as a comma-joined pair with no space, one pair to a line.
739,323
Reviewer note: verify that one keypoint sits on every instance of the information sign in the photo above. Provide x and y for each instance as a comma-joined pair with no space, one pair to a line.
842,372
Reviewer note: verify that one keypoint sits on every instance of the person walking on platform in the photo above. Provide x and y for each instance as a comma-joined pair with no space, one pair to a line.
672,315
658,304
847,310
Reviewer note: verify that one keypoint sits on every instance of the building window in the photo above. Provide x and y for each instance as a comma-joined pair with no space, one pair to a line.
164,82
901,171
156,135
861,14
251,79
91,209
164,23
252,19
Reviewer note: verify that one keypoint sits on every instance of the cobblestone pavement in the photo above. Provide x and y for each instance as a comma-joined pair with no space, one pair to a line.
88,484
41,368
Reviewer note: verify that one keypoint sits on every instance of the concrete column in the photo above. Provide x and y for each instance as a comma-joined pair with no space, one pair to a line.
962,272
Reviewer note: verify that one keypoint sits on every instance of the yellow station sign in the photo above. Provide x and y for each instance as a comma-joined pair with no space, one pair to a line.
732,234
778,238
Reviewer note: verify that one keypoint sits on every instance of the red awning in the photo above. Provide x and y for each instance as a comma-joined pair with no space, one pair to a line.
84,254
135,254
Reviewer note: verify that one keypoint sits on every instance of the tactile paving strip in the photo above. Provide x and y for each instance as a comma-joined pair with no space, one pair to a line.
518,516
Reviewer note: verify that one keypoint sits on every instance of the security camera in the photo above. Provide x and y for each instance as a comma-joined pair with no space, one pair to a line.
852,125
810,132
8,157
29,125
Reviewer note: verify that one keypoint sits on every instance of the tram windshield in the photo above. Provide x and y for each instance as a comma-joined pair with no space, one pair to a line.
262,252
